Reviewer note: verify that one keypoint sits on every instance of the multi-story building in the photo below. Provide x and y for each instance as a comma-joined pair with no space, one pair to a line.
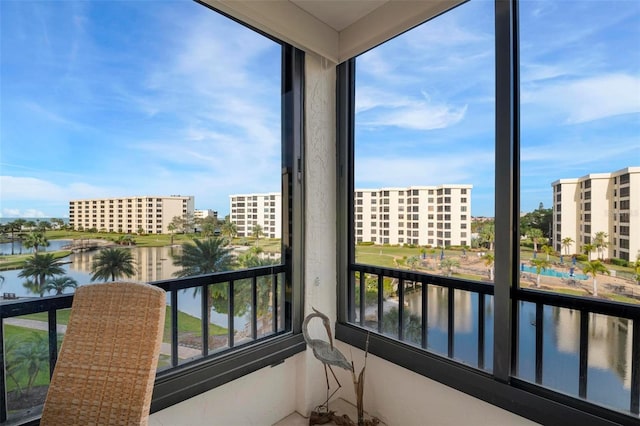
150,214
438,216
201,214
249,210
599,202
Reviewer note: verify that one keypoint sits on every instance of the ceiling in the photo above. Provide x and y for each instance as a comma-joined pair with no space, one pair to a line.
334,29
339,14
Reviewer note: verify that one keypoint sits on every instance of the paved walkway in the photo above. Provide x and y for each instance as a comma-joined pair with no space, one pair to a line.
165,349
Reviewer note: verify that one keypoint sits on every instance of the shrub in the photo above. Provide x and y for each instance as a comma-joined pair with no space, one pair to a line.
581,257
365,243
618,262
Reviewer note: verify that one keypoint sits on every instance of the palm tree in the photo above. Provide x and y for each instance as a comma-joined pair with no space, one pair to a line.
593,267
412,262
567,243
536,235
448,264
229,229
59,284
32,355
488,235
489,260
256,231
636,269
587,249
203,257
547,250
600,241
540,265
35,239
112,263
39,267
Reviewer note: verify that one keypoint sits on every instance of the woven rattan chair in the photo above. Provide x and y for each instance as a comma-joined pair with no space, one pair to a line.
108,358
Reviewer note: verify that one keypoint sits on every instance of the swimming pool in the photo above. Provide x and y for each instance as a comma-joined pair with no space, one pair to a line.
552,273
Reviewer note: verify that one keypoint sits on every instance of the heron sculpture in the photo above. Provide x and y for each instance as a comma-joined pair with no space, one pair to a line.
325,352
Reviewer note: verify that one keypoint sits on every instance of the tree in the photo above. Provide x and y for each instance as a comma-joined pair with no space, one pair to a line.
566,244
59,284
112,263
206,257
594,267
203,257
256,231
229,228
412,262
600,241
488,235
35,239
489,261
13,227
540,219
448,264
636,269
536,236
39,267
540,265
31,356
547,250
587,249
172,228
208,226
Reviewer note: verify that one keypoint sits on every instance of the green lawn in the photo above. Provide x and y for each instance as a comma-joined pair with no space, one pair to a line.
16,261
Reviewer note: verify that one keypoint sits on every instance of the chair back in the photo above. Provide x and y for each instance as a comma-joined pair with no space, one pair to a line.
108,359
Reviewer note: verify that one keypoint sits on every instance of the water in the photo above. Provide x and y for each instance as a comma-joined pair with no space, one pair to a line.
609,349
54,245
552,273
152,264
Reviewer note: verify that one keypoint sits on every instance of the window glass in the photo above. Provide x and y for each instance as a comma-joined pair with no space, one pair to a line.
580,121
424,138
169,114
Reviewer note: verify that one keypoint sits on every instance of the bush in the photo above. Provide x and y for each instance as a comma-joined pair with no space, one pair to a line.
618,262
581,257
365,243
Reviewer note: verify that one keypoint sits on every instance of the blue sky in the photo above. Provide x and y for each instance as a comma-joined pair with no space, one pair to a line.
117,98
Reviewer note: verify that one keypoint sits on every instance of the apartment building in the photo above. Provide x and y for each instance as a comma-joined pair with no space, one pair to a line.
150,214
202,214
248,210
439,216
599,202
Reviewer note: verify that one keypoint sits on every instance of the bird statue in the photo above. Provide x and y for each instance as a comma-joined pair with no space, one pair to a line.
325,352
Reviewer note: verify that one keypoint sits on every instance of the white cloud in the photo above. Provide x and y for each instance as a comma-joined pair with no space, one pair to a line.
587,99
22,213
433,170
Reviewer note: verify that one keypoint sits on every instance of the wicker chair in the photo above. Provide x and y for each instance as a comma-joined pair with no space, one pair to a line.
108,358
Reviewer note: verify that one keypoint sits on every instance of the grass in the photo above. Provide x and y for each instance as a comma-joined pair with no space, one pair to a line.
42,379
186,323
16,261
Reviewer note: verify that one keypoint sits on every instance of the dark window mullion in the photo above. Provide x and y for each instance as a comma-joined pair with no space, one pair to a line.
53,340
363,293
204,291
380,301
274,302
450,321
174,328
635,368
254,308
481,300
584,354
231,310
539,341
3,384
425,316
400,309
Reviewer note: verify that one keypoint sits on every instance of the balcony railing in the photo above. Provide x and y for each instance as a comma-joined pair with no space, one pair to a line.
253,306
580,351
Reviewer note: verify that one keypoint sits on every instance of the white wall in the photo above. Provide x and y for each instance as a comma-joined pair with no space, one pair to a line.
398,396
260,398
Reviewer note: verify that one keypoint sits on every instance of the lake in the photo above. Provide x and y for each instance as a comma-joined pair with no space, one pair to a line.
609,358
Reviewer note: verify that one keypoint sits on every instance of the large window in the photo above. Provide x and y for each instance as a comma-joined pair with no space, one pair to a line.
111,109
517,320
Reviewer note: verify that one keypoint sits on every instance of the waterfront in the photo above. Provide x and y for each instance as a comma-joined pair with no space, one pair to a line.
609,357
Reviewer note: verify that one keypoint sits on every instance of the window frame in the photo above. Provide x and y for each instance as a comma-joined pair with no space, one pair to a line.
499,387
